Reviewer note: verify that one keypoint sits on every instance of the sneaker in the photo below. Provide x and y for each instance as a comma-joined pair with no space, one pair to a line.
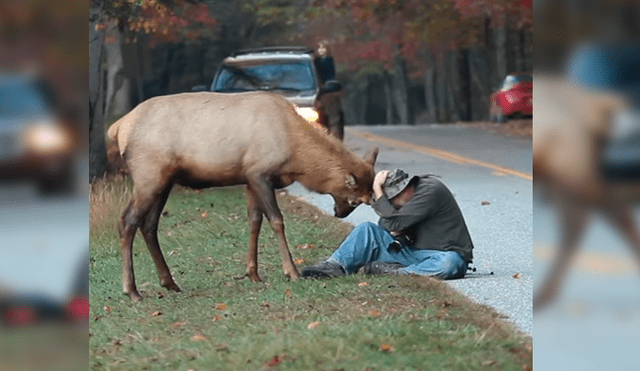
378,267
324,269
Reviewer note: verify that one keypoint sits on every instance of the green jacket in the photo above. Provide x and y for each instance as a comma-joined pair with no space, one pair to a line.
432,217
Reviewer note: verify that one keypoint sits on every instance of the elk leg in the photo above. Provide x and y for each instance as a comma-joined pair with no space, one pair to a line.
149,231
255,218
267,198
622,217
573,218
129,223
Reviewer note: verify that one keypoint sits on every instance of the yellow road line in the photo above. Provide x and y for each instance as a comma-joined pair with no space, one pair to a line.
590,261
443,155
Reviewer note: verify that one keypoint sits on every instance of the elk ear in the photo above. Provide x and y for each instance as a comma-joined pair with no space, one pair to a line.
372,156
350,181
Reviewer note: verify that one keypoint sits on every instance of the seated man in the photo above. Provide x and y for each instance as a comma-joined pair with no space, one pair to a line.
421,231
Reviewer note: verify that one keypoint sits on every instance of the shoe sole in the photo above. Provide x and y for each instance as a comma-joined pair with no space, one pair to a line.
316,274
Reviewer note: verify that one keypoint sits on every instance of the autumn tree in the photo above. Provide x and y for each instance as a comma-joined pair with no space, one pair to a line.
446,41
158,20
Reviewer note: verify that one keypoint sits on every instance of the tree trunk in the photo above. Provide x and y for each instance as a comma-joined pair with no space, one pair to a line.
400,92
480,86
500,38
454,91
115,66
441,90
363,96
388,97
430,89
97,148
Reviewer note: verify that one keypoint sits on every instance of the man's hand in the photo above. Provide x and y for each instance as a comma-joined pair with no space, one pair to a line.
378,182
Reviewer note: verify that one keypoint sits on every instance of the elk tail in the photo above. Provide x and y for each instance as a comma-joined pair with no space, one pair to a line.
119,131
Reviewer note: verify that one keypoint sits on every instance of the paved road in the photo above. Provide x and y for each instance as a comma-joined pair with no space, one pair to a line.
478,167
43,239
595,323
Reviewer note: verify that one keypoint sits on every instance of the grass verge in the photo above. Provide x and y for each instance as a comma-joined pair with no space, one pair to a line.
223,322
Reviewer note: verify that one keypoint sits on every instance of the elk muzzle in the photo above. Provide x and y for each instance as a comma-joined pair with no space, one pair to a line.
344,207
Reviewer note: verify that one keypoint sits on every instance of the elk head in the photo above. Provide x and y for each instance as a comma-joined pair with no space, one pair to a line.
358,187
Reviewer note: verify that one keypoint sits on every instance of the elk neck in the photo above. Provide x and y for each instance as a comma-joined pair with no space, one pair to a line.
320,162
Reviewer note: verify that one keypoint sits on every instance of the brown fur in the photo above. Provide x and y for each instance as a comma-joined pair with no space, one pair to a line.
571,124
210,139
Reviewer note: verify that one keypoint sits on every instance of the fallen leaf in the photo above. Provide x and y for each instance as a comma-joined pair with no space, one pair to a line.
442,313
198,338
160,295
217,318
265,304
313,325
288,293
517,275
298,261
221,306
306,246
488,363
156,314
108,309
446,303
374,313
386,348
177,324
361,284
275,361
204,214
484,203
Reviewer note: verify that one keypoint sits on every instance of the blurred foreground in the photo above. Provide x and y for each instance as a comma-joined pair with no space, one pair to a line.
586,156
43,191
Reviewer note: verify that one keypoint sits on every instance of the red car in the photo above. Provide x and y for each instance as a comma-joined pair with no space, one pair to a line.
515,98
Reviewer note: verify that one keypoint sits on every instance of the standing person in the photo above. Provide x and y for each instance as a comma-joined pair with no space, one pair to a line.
421,231
324,62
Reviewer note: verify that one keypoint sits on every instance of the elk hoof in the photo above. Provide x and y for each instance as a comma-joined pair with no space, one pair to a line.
135,296
253,276
172,286
292,275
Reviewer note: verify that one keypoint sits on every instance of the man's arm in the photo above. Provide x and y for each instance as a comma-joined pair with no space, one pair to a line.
422,205
378,181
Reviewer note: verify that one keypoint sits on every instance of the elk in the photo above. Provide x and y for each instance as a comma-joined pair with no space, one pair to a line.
202,140
571,127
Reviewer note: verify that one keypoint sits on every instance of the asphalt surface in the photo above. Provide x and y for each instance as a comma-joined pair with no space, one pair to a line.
490,176
43,238
594,324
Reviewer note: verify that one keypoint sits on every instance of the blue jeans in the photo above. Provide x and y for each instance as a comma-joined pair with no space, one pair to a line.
368,242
